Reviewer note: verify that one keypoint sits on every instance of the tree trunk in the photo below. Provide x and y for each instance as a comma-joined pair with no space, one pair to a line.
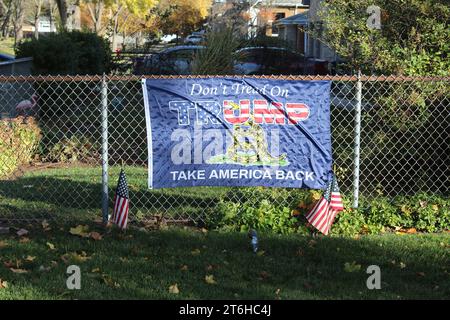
96,15
7,11
37,15
18,16
62,8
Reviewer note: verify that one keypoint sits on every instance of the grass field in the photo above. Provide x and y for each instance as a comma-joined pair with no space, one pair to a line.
7,46
145,264
72,192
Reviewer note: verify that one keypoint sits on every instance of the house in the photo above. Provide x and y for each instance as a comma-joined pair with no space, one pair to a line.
270,11
258,16
294,30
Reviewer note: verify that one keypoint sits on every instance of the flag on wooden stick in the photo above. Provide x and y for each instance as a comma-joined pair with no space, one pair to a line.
322,215
121,202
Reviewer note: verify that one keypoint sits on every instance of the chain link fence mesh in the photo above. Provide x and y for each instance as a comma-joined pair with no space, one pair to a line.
50,145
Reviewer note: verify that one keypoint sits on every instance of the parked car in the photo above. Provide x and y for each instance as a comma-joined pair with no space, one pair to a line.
172,61
268,60
274,60
194,39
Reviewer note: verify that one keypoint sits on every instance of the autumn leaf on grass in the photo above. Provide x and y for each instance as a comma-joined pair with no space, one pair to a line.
3,244
174,289
45,225
82,231
184,268
51,246
260,253
24,240
30,258
195,252
3,284
209,279
75,257
352,267
95,235
95,270
22,232
11,264
18,270
402,265
109,281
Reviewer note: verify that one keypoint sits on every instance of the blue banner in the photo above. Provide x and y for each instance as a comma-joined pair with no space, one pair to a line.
238,132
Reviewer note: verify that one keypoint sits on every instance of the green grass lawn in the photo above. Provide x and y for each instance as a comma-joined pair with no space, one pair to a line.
7,46
144,264
72,192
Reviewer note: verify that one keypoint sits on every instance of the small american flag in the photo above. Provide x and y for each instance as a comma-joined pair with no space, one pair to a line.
121,202
322,215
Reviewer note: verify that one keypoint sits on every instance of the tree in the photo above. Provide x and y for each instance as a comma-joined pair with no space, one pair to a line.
5,15
37,9
413,39
62,9
122,10
18,14
185,15
96,9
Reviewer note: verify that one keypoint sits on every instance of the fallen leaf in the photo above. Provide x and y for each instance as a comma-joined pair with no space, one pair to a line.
184,268
80,230
95,270
50,245
95,235
18,270
352,267
402,265
295,213
263,275
3,284
46,225
209,279
3,244
260,253
75,257
411,230
435,207
30,258
421,274
109,281
24,240
195,252
203,230
174,289
22,232
300,252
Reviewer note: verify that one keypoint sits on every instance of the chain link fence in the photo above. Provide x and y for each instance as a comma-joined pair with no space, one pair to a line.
51,143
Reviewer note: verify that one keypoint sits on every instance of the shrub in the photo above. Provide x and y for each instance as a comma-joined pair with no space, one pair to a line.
67,53
283,211
73,149
18,140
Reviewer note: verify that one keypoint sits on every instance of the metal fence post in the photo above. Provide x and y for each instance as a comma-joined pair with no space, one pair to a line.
357,141
105,195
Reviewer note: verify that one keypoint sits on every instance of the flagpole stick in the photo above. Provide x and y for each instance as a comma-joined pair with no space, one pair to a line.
357,142
104,117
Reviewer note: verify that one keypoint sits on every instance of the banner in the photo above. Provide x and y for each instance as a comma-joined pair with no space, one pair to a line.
238,132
